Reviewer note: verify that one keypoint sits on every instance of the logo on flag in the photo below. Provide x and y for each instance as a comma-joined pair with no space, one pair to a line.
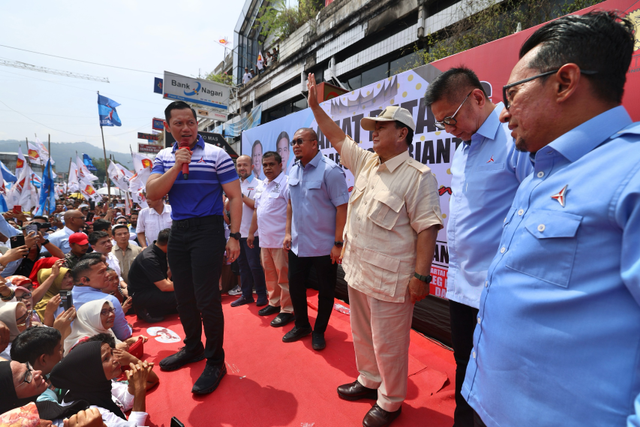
33,154
107,112
19,163
146,163
89,190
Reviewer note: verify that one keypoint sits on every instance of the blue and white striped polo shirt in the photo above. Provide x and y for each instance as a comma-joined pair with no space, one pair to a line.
201,194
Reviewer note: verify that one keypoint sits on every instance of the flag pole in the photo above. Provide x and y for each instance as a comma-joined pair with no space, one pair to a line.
50,174
106,166
69,175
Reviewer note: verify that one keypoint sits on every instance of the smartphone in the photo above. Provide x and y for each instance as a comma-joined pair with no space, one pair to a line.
90,216
17,209
92,205
17,241
176,422
66,300
29,228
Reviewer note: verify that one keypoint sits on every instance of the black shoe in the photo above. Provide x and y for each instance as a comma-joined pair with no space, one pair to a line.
144,315
262,302
378,417
295,334
282,319
241,301
317,341
209,379
179,359
268,310
356,391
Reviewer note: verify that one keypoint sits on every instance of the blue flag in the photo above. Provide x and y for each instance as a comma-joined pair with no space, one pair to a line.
88,162
47,202
3,204
107,112
6,173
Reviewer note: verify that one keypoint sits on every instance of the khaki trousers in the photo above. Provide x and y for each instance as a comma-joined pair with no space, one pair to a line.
381,341
275,263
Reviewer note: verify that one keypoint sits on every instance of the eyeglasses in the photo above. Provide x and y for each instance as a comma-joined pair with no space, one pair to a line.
299,141
28,376
24,321
107,311
507,97
79,217
451,120
24,297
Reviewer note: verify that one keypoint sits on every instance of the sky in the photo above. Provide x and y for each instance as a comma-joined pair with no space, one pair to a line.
151,36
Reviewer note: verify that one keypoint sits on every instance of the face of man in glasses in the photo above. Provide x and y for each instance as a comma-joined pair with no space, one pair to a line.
306,151
26,381
468,119
532,110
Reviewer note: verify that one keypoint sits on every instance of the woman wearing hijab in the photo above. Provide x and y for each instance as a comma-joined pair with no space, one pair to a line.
21,384
17,318
95,317
87,372
25,296
52,281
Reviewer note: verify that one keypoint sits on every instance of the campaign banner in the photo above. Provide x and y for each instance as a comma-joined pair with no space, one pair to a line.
199,91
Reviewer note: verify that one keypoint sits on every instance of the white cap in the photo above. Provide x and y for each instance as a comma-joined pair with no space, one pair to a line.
389,114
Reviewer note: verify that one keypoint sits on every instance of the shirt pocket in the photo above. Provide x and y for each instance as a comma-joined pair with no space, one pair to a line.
314,185
383,271
547,249
386,209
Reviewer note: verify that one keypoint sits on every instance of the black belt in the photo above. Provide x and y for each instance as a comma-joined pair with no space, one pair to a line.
204,220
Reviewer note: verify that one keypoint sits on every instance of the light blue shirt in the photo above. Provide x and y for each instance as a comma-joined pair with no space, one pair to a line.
315,191
84,294
61,239
485,176
558,336
6,229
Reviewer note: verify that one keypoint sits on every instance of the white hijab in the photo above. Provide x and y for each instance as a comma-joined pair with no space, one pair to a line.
8,316
87,323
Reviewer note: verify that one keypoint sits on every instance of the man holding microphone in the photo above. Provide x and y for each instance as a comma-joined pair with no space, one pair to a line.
197,243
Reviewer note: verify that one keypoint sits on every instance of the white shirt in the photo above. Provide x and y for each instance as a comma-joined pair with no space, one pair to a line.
271,205
246,77
114,264
248,189
151,223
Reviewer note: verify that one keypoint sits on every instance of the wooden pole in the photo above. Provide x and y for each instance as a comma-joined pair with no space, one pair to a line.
106,166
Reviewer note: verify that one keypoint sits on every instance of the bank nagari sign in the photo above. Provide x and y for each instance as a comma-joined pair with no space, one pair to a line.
203,92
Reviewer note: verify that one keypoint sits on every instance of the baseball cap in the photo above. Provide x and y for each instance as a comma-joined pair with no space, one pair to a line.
389,114
79,238
83,206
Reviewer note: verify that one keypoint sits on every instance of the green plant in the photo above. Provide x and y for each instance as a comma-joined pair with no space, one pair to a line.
493,21
222,78
281,20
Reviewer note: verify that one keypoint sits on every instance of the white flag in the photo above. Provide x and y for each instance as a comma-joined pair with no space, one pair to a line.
137,188
83,172
20,162
38,153
117,176
260,62
74,183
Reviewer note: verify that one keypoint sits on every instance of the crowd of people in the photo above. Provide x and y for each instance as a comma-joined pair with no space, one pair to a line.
543,283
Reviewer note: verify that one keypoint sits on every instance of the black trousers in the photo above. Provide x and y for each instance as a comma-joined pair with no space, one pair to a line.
195,251
299,268
463,323
156,302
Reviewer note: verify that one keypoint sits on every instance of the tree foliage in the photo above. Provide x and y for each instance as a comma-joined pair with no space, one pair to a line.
222,78
281,20
489,20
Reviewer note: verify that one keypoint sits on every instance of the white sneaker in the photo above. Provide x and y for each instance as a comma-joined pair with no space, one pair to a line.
235,291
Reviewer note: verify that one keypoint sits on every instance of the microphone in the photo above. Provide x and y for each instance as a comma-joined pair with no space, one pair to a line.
185,166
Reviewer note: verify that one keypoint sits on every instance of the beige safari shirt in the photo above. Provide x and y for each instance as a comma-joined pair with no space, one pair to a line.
390,204
126,258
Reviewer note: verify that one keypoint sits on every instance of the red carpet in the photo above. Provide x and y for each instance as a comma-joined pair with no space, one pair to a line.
271,383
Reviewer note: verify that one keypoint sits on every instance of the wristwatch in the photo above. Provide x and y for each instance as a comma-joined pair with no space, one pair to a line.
235,235
425,279
338,244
